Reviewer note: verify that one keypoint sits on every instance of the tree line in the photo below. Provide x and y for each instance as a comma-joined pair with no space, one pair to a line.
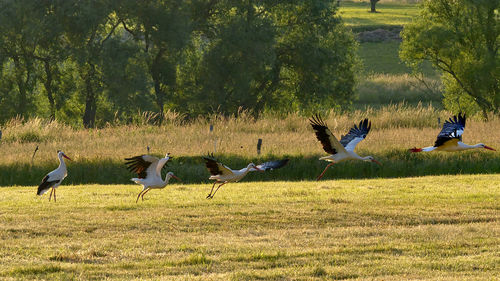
90,62
96,61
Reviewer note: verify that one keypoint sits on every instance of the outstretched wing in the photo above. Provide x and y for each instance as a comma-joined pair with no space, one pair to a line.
271,165
142,165
216,168
452,129
328,140
356,134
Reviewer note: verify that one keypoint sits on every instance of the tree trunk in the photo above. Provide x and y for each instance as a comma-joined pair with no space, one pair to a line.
155,74
90,99
48,87
22,101
372,6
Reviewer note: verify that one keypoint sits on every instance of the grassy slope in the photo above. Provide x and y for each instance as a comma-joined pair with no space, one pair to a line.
357,14
420,228
385,77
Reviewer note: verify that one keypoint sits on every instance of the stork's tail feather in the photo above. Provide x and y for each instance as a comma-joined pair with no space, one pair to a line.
136,180
415,149
41,191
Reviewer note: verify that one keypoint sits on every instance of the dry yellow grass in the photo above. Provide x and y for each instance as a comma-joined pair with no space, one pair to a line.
393,128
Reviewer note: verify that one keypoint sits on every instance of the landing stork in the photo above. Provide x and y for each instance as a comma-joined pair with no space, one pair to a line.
343,150
53,179
450,137
223,174
148,168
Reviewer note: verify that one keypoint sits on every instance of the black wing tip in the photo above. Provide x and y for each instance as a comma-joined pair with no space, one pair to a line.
459,118
209,156
317,120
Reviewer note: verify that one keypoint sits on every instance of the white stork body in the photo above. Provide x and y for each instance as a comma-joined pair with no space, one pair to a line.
450,137
223,174
234,176
343,150
53,179
148,168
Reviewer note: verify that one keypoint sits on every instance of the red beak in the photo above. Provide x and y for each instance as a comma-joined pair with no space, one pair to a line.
380,164
176,178
64,155
490,148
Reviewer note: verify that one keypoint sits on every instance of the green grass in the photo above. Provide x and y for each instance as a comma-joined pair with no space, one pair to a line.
357,14
382,58
444,227
385,78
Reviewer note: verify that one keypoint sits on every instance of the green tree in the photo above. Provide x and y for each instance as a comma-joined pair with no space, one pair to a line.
461,39
258,55
88,25
18,40
163,29
315,56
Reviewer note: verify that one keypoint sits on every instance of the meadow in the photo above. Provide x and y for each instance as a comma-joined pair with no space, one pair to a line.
383,78
417,216
440,228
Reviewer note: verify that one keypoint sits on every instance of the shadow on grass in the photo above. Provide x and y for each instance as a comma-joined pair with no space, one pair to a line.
395,163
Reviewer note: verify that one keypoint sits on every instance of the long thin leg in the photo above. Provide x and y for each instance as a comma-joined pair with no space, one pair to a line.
142,196
139,195
217,189
51,190
327,166
55,195
208,196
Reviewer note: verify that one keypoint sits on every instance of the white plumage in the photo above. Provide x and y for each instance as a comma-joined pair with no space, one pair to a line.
148,169
449,138
223,174
343,150
53,179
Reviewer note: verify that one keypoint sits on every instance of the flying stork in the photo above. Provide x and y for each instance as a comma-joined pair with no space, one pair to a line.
343,150
148,168
223,174
53,179
450,137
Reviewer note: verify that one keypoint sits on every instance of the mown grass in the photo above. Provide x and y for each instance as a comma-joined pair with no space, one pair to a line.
444,227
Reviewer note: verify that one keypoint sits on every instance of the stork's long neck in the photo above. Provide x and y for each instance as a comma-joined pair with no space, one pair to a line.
467,146
62,164
244,171
366,158
356,156
160,165
167,179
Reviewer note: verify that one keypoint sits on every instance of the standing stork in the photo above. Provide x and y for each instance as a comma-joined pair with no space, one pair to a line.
53,179
148,168
450,137
343,150
223,174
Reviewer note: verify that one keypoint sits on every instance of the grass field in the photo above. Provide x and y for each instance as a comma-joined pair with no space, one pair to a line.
440,228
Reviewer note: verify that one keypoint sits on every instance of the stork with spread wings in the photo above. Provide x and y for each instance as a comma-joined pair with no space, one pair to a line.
450,137
343,150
